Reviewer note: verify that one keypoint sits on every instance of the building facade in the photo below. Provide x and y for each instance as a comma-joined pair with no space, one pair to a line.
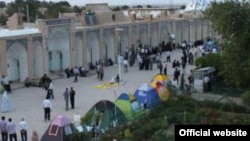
98,33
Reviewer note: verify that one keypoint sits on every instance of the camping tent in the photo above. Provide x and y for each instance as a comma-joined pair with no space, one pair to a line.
164,79
146,95
162,90
104,114
58,129
129,106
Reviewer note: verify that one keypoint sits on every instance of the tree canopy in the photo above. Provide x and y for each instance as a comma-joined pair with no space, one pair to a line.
231,19
50,9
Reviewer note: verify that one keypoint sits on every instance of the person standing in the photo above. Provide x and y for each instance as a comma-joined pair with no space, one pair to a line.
6,107
3,129
76,73
11,129
51,90
6,84
98,66
125,63
168,56
101,71
34,136
160,66
23,129
66,98
72,94
47,108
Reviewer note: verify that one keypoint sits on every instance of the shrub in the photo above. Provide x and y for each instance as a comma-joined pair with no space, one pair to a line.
246,98
211,59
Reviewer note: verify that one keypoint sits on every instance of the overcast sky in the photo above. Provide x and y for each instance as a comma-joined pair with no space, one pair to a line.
120,2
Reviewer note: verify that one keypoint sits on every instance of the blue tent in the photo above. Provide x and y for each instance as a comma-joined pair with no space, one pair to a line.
146,95
129,106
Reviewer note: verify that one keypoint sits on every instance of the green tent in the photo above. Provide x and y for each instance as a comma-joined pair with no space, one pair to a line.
103,115
129,106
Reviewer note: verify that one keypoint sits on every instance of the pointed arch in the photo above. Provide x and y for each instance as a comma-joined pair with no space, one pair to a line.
37,59
17,62
143,35
78,51
109,45
92,48
59,52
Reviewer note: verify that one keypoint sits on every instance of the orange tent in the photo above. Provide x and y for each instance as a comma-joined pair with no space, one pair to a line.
162,91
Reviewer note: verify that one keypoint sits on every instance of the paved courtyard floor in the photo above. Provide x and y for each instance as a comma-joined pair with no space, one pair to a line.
27,102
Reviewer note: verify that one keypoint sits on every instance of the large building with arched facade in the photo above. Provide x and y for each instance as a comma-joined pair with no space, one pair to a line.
51,45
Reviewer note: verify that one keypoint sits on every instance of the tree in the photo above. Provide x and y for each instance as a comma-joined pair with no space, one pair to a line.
183,6
3,19
125,7
117,8
2,4
77,9
149,6
231,19
139,6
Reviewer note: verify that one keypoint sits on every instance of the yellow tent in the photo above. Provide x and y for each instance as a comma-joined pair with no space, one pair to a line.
161,78
162,91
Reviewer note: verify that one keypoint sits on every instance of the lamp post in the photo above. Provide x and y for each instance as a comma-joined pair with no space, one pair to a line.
119,30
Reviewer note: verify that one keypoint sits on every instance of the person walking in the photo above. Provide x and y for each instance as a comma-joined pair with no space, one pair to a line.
66,98
47,108
6,106
51,90
3,129
11,129
6,84
23,129
72,94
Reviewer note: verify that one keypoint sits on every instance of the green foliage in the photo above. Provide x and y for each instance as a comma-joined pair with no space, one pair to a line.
246,97
159,135
33,6
178,110
83,136
212,59
3,19
231,20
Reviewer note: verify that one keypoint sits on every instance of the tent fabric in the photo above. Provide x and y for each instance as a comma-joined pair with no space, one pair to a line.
60,121
129,106
146,95
162,90
103,115
164,79
58,129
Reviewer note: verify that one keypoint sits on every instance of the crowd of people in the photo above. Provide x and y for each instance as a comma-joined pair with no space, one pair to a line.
145,56
9,130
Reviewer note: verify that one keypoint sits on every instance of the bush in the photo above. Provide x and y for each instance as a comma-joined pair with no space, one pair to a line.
211,59
246,98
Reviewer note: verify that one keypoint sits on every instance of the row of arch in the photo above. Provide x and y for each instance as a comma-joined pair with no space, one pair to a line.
62,50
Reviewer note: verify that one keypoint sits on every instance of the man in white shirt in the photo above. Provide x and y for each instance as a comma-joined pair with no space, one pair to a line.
11,129
23,129
50,90
6,84
125,63
76,73
47,108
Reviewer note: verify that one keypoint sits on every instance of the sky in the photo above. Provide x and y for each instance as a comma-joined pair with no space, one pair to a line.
120,2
